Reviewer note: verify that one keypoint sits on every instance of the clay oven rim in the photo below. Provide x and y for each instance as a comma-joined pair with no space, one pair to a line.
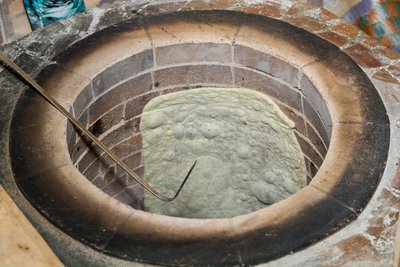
356,132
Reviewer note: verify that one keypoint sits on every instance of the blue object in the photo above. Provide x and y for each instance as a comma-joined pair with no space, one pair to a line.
43,12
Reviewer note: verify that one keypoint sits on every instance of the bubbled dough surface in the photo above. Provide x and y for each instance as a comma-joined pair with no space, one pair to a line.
248,156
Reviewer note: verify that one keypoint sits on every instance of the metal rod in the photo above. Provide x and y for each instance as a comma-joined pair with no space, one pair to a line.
93,138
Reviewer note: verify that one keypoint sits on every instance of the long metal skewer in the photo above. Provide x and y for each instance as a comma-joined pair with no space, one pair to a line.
93,138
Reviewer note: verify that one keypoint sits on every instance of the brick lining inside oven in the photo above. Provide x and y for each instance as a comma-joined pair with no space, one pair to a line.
111,106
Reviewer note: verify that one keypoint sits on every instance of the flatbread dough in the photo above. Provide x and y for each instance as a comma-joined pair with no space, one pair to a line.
247,154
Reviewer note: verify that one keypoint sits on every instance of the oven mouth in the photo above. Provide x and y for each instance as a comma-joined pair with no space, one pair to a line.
342,128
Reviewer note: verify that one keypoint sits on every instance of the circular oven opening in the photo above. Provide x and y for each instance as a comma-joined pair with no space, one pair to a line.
108,78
